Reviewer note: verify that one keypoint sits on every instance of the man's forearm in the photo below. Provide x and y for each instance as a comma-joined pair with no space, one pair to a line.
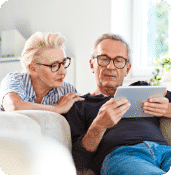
92,138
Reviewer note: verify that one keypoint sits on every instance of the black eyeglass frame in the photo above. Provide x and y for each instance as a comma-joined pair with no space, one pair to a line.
126,61
51,65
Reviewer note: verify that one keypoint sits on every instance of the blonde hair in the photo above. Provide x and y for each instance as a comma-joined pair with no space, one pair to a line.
37,42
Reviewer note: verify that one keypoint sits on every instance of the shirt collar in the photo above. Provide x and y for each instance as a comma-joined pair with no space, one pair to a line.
51,92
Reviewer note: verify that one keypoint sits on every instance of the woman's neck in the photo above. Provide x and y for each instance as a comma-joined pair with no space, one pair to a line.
40,89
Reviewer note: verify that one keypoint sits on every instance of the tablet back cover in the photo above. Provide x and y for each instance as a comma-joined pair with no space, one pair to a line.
136,96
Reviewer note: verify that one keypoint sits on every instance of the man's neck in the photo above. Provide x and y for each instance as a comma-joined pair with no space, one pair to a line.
104,91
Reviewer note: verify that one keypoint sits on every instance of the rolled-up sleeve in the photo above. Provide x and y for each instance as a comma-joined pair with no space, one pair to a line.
11,83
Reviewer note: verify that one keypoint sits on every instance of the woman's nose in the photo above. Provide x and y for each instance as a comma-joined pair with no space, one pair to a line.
62,70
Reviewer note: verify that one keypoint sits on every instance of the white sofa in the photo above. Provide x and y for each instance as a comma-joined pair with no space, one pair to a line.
39,143
35,143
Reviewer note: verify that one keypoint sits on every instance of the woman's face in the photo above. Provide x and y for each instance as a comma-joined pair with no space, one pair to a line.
47,78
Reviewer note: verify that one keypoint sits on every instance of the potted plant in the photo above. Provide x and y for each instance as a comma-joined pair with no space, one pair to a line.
159,74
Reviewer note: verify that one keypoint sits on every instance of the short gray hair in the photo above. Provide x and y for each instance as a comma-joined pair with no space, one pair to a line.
114,37
37,42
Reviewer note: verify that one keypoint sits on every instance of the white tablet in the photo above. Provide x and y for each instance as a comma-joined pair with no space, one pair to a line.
136,95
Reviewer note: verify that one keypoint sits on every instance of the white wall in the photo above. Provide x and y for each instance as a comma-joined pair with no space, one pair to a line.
80,21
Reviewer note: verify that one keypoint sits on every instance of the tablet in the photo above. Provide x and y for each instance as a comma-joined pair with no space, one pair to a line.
136,95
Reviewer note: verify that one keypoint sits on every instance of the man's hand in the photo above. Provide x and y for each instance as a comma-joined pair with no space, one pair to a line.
66,102
111,113
157,106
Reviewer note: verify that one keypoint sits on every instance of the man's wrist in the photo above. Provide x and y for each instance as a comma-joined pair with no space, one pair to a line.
93,137
168,114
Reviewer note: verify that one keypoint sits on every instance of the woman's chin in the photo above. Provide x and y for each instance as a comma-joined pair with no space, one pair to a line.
59,84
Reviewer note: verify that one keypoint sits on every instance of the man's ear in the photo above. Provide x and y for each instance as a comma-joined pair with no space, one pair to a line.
128,69
91,65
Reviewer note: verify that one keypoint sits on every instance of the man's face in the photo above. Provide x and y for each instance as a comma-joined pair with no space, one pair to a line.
110,77
44,74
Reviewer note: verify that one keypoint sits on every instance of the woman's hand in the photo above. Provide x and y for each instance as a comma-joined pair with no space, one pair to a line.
66,102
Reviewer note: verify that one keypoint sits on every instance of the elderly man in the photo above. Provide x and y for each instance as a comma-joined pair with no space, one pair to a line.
41,85
105,142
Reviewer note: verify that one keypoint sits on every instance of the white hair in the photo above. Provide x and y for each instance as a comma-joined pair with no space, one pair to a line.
113,37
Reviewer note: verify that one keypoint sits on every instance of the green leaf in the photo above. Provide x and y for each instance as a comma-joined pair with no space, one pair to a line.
163,60
167,69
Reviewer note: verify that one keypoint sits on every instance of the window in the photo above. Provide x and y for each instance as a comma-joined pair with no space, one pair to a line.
150,34
145,25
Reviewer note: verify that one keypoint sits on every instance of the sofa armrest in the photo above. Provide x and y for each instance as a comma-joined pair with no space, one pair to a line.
32,147
53,125
165,126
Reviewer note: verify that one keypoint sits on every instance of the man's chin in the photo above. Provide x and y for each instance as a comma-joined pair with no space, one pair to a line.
111,86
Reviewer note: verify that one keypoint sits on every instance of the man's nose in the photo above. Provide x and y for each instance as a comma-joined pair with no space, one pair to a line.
111,65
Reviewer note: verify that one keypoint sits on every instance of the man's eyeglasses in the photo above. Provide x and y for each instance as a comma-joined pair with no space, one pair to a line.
119,62
56,66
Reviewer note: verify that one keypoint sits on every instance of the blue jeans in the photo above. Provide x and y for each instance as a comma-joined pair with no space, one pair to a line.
143,158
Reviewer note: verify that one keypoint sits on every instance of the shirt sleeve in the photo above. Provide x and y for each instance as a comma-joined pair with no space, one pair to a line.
77,121
11,83
70,88
168,96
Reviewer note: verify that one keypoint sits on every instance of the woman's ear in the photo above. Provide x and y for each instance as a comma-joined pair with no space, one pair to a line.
32,68
91,63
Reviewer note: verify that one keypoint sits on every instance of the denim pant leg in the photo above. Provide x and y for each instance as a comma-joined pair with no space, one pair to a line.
162,154
136,159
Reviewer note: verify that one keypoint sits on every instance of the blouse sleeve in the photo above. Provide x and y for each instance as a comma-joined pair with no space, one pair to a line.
70,88
11,83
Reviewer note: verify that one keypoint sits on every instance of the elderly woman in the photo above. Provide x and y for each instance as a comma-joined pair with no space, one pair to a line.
40,86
